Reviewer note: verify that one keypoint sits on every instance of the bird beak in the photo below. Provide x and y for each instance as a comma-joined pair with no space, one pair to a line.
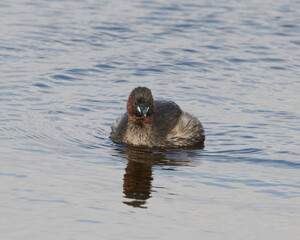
143,110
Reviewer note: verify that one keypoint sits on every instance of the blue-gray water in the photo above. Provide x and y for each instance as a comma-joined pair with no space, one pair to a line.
66,69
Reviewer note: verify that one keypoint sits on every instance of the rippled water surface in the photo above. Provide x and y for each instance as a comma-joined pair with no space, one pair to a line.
66,69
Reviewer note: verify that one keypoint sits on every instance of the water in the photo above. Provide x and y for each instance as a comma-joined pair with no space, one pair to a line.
66,69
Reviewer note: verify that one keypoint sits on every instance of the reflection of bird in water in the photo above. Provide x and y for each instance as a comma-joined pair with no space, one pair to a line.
137,183
138,176
138,173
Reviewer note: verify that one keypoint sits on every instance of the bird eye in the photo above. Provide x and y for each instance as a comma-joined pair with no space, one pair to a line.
139,109
147,109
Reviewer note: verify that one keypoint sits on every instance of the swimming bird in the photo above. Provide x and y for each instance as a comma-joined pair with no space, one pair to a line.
156,123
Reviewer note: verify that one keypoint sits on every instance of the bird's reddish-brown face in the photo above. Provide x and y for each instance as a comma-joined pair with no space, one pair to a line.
140,105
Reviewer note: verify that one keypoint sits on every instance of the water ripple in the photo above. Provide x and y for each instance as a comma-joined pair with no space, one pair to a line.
64,77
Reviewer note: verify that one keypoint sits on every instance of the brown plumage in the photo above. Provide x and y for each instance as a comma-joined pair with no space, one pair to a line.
159,124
